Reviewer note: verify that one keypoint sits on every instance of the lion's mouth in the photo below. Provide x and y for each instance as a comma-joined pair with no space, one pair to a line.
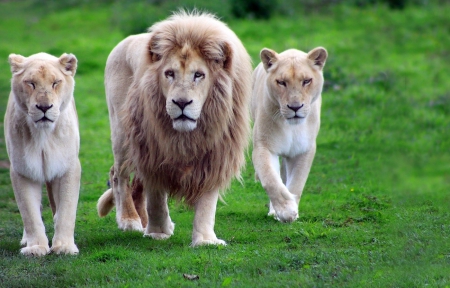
183,117
44,119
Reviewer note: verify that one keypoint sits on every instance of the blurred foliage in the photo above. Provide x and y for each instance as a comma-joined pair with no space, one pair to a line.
253,8
135,16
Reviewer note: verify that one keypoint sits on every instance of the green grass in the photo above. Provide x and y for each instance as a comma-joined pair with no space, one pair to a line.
375,210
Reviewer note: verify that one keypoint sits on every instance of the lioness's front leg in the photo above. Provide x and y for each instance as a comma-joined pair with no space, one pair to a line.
159,226
283,204
65,193
28,195
297,171
204,219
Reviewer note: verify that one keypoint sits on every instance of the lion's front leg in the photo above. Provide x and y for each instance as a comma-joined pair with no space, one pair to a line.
283,205
28,195
204,220
159,226
65,192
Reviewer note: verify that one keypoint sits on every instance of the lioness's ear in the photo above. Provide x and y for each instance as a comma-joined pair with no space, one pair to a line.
268,57
318,56
16,62
69,64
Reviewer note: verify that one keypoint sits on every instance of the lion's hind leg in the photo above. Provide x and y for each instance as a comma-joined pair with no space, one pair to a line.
159,226
139,200
126,215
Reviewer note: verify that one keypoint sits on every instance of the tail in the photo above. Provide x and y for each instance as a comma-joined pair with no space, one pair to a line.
105,203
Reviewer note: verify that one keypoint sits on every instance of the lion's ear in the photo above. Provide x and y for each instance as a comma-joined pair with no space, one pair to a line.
268,58
227,53
152,47
68,63
16,61
318,56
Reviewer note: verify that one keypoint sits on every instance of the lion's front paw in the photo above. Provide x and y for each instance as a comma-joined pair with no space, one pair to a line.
201,242
286,211
130,224
61,248
35,250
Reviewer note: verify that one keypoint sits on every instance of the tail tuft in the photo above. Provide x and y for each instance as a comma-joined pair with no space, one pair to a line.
105,203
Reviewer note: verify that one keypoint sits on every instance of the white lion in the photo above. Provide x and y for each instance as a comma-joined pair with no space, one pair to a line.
178,108
285,109
42,141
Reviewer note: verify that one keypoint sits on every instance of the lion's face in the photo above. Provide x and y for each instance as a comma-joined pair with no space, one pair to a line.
294,80
43,86
185,83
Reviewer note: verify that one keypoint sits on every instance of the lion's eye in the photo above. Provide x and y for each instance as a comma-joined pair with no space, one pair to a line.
307,82
281,83
169,73
55,84
198,75
31,84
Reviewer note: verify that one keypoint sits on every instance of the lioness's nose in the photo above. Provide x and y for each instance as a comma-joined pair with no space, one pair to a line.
295,108
181,103
44,108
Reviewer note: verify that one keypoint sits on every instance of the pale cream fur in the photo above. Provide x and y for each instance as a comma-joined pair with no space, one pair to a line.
42,140
285,108
193,66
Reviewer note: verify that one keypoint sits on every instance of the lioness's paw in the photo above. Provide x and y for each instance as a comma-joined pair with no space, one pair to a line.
158,236
284,212
208,242
65,249
130,224
35,250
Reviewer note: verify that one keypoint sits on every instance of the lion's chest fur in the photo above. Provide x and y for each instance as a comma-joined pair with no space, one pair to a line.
42,154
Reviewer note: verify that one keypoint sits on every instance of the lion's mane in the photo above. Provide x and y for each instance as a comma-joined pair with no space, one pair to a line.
188,164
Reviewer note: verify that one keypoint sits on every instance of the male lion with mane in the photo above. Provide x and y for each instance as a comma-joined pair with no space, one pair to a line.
42,140
178,107
285,107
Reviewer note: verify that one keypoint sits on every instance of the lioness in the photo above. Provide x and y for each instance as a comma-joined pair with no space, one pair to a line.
42,141
178,107
285,108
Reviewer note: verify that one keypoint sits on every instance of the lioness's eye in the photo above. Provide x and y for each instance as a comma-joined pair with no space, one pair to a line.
55,84
281,83
198,75
169,73
307,82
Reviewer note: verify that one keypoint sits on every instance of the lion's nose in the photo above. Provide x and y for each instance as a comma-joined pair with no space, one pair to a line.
182,103
295,108
44,108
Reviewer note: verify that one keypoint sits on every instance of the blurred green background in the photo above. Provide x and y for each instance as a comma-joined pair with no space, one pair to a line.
375,209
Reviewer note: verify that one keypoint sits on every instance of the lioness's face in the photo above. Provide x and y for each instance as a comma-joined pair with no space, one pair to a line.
185,84
41,88
295,81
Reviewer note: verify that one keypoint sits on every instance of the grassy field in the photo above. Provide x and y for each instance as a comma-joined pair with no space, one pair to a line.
375,210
